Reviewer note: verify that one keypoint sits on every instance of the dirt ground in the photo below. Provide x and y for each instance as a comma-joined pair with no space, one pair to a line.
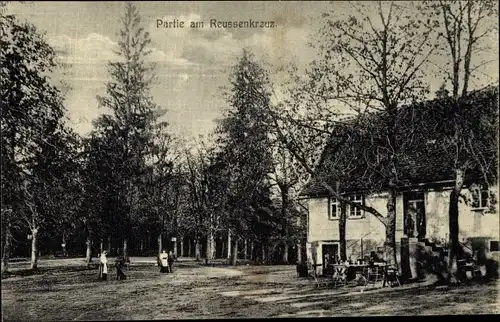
64,289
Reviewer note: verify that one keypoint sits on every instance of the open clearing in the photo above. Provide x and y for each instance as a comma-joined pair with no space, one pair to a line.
64,289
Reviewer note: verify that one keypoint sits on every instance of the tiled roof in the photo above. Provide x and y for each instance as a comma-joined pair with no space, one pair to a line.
422,159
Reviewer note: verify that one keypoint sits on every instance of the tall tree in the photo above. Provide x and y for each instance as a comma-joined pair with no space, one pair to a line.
287,175
33,132
161,194
245,142
134,115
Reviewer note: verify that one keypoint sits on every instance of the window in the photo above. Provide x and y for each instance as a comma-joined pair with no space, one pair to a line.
351,211
334,211
355,212
480,199
494,246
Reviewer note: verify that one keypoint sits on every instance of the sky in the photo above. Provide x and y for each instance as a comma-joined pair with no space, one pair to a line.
191,64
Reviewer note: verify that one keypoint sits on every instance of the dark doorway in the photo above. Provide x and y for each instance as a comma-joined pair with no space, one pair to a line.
330,255
414,214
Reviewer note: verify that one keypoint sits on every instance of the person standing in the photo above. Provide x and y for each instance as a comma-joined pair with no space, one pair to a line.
120,264
99,267
409,225
163,261
171,262
103,266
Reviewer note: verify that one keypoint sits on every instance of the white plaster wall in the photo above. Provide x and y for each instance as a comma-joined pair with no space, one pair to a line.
436,210
321,228
477,223
471,223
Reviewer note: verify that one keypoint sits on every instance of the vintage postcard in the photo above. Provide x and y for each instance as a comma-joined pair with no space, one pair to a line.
248,159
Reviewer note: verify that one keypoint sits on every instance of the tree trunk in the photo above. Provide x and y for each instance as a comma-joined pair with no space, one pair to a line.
88,253
284,215
210,239
228,244
342,226
190,253
214,248
182,247
223,248
453,225
160,243
63,244
235,252
390,230
34,249
284,254
299,253
101,246
197,249
109,245
125,250
175,248
252,257
246,249
263,249
210,245
6,249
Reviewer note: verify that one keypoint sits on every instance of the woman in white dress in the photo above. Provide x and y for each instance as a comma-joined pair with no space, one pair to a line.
163,262
103,261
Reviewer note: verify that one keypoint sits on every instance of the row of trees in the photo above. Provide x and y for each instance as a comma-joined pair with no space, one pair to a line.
130,181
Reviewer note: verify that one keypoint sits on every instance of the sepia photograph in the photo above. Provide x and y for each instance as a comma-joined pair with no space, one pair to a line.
165,160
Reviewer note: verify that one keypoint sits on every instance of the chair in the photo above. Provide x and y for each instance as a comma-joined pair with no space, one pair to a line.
391,276
339,275
374,274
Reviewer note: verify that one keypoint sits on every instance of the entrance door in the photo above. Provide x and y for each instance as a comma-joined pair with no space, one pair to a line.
414,217
330,254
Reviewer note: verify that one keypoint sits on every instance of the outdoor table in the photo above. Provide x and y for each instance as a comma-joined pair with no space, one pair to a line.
467,270
362,271
382,270
357,269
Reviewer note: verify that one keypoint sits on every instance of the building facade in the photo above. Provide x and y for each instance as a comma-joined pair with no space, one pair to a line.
428,209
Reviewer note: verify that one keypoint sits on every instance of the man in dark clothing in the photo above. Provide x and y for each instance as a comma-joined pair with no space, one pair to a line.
120,265
409,225
171,262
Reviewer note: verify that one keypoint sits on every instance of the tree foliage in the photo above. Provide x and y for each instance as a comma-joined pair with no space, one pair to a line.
36,145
